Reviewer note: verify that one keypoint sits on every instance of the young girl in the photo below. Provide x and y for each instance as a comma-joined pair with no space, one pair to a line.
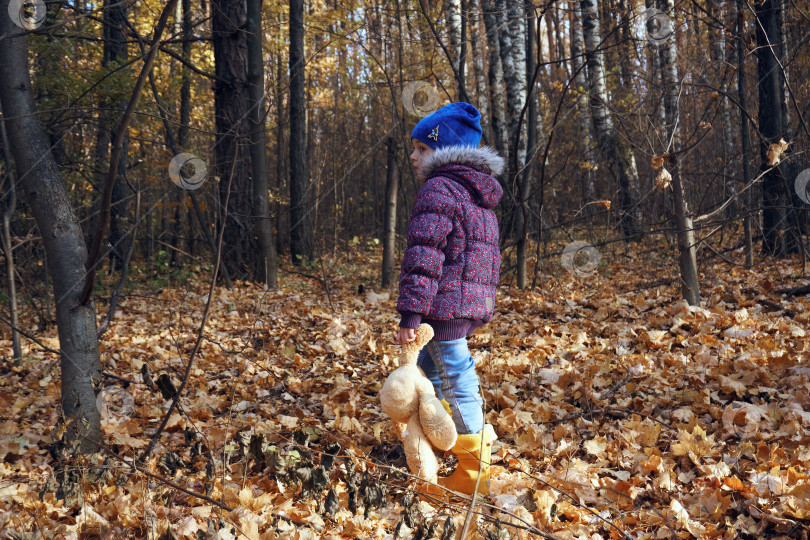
450,272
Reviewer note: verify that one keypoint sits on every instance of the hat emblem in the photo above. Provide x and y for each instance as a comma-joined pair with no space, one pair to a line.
434,134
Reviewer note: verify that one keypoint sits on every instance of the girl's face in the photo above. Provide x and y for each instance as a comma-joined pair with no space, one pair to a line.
420,153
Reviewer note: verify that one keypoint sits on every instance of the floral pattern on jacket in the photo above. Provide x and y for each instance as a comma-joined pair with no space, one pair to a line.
451,265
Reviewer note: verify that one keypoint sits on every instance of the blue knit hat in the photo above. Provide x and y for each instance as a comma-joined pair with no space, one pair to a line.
455,124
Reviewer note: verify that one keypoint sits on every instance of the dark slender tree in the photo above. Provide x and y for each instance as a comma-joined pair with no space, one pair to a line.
9,191
300,228
581,100
745,136
115,54
687,260
390,219
182,130
258,145
780,237
495,77
531,143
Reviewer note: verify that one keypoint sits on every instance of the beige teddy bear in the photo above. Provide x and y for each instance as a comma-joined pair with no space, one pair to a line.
408,398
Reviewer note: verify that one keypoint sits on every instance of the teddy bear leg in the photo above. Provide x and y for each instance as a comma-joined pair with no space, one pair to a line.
422,461
437,424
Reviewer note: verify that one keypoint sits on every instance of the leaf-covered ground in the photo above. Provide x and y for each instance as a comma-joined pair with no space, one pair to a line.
621,412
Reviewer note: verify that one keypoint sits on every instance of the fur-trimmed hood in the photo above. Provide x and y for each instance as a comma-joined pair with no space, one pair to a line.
458,162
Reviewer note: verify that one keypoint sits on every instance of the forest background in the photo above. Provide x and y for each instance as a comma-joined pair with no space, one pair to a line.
203,208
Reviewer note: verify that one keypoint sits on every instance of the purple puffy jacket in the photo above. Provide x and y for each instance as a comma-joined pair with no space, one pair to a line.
451,266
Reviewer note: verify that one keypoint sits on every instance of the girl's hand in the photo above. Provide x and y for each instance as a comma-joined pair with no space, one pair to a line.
404,335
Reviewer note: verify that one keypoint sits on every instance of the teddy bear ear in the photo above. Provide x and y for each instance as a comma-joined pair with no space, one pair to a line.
423,334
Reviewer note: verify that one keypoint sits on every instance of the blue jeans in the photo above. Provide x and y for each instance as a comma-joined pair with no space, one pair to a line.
451,369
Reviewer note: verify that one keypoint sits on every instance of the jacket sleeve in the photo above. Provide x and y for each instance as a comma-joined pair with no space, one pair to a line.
430,224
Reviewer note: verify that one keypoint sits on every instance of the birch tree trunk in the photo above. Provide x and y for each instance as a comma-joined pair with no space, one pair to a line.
62,238
513,55
588,164
687,260
617,155
454,30
258,145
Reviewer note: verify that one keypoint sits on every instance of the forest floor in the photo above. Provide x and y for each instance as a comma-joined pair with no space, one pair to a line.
620,411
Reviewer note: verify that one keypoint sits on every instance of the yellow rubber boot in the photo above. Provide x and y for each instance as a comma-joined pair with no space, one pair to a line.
470,451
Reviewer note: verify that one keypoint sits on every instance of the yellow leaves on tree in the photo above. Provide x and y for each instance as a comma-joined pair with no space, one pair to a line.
662,179
775,151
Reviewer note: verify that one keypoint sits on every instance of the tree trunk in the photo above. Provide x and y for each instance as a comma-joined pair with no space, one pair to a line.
495,76
8,211
626,15
531,142
619,157
258,145
513,56
687,260
282,225
779,238
115,54
588,164
478,45
454,24
185,80
717,50
182,131
790,167
300,228
745,137
553,58
390,219
239,245
61,236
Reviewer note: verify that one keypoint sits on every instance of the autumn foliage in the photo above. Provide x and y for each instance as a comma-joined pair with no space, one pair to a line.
621,412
